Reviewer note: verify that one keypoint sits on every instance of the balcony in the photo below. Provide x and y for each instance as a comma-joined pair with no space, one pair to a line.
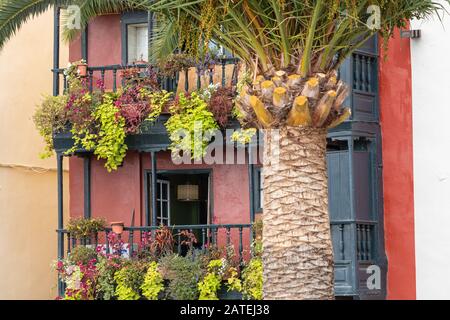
152,136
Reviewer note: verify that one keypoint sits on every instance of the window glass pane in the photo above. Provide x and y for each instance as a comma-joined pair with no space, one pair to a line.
165,209
164,191
158,209
137,42
158,191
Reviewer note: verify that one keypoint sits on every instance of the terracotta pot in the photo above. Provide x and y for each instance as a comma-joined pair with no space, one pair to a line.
82,70
117,227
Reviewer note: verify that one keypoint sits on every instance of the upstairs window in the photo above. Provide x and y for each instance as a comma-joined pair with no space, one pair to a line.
137,42
135,37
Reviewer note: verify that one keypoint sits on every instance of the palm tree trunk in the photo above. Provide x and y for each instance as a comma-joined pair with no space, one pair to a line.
298,253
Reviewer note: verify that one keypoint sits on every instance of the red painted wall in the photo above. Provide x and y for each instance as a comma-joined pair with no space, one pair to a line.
115,195
396,125
104,45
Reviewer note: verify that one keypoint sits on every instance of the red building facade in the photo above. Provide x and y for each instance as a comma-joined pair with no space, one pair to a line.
230,193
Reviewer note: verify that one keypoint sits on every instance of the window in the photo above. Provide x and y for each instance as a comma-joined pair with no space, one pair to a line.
137,42
135,37
163,203
258,195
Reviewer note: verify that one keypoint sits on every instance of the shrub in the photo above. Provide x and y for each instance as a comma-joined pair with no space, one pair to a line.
183,274
107,266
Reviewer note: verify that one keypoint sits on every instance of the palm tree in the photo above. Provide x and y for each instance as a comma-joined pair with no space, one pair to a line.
292,50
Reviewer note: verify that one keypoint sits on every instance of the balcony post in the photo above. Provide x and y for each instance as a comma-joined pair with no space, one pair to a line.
154,187
59,169
87,187
150,19
84,44
56,30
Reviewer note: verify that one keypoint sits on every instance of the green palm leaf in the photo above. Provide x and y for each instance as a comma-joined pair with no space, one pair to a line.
14,13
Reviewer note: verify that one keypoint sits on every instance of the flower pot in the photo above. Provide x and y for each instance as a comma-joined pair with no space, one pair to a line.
82,70
224,294
117,227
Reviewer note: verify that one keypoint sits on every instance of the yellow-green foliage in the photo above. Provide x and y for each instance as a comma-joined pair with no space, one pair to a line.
252,280
111,136
233,281
129,279
50,116
158,100
243,136
153,282
212,281
83,228
190,125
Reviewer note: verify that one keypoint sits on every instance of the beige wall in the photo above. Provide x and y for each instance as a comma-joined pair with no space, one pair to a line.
28,189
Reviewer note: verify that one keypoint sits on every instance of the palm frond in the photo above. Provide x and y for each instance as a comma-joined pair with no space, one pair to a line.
14,13
164,38
296,35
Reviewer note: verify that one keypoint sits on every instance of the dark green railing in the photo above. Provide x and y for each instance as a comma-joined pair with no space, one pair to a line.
238,236
112,73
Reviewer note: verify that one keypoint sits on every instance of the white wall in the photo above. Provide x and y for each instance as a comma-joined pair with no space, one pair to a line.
431,132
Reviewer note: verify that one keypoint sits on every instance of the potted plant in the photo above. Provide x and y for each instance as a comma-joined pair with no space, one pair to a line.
85,229
82,69
117,227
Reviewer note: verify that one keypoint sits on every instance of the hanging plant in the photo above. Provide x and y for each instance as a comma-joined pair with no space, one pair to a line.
111,134
49,117
190,125
133,107
175,63
84,228
221,105
158,102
